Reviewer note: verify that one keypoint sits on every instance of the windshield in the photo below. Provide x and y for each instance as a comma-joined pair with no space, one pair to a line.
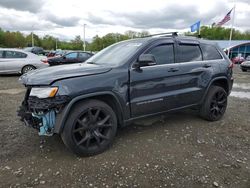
116,54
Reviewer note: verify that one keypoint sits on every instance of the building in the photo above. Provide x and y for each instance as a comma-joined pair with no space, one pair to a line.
237,48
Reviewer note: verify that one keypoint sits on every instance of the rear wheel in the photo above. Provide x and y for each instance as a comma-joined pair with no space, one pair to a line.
215,104
90,128
27,68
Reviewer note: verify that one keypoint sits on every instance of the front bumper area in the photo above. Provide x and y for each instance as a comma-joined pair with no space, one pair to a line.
41,114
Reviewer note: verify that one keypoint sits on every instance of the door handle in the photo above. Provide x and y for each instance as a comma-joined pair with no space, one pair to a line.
206,66
173,70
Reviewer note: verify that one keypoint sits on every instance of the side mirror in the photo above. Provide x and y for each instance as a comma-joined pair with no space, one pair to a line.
146,60
64,57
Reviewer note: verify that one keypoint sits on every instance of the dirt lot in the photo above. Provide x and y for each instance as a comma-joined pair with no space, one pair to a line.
175,150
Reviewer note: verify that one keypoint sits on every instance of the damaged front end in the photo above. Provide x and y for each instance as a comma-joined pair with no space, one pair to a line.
40,108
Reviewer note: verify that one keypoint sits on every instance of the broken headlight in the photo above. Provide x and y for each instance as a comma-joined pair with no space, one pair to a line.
43,92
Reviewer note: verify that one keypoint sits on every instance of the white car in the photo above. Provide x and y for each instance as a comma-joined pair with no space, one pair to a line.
14,61
245,65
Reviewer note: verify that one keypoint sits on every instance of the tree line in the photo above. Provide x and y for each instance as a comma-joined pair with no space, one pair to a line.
19,40
221,33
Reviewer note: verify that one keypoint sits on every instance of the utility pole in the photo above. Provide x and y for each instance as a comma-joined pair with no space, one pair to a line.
84,43
56,43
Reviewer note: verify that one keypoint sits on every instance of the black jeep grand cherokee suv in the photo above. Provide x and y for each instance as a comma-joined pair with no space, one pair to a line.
85,103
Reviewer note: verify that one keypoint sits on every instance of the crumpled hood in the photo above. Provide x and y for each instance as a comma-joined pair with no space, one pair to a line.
48,75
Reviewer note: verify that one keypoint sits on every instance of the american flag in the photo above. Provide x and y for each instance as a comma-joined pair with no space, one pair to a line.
225,19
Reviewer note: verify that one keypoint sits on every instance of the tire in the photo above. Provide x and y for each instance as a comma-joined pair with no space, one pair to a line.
215,104
90,128
244,70
27,68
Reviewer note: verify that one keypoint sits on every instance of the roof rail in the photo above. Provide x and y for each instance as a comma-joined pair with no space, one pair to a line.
174,34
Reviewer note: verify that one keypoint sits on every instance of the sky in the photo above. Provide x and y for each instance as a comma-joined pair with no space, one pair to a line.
65,19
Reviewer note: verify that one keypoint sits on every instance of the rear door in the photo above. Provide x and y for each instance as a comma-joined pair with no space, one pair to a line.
83,57
71,58
194,73
14,61
153,88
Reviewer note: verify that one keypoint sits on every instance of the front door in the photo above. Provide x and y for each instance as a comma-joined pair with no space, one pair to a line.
153,88
14,61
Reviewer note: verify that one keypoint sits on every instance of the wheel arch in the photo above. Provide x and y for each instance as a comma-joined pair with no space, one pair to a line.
108,97
222,82
26,66
219,81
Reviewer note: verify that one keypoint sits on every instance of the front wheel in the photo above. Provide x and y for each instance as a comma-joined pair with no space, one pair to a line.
90,128
215,104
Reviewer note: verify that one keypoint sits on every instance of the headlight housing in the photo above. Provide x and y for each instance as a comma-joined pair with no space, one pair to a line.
43,92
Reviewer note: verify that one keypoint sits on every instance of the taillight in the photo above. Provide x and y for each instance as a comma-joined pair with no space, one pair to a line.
44,61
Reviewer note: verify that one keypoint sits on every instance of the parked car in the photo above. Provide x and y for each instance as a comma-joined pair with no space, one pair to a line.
238,60
45,52
56,53
51,53
245,65
14,61
86,103
69,58
35,50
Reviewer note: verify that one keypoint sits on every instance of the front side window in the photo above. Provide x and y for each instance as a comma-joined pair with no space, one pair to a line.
164,54
71,55
14,54
210,52
188,53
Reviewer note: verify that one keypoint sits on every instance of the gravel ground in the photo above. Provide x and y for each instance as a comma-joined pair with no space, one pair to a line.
174,150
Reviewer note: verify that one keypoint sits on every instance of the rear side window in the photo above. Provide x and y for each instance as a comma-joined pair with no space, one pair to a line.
189,53
164,54
210,52
83,55
14,54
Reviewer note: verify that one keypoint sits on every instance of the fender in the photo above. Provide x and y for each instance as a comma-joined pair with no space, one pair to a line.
62,116
211,82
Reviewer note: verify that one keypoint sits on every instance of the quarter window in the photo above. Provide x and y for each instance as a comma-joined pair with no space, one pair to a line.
164,54
1,54
189,53
210,52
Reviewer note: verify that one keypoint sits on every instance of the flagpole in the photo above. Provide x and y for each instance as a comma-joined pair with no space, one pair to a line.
231,32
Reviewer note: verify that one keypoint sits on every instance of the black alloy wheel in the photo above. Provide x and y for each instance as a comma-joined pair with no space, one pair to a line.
91,128
215,104
218,104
